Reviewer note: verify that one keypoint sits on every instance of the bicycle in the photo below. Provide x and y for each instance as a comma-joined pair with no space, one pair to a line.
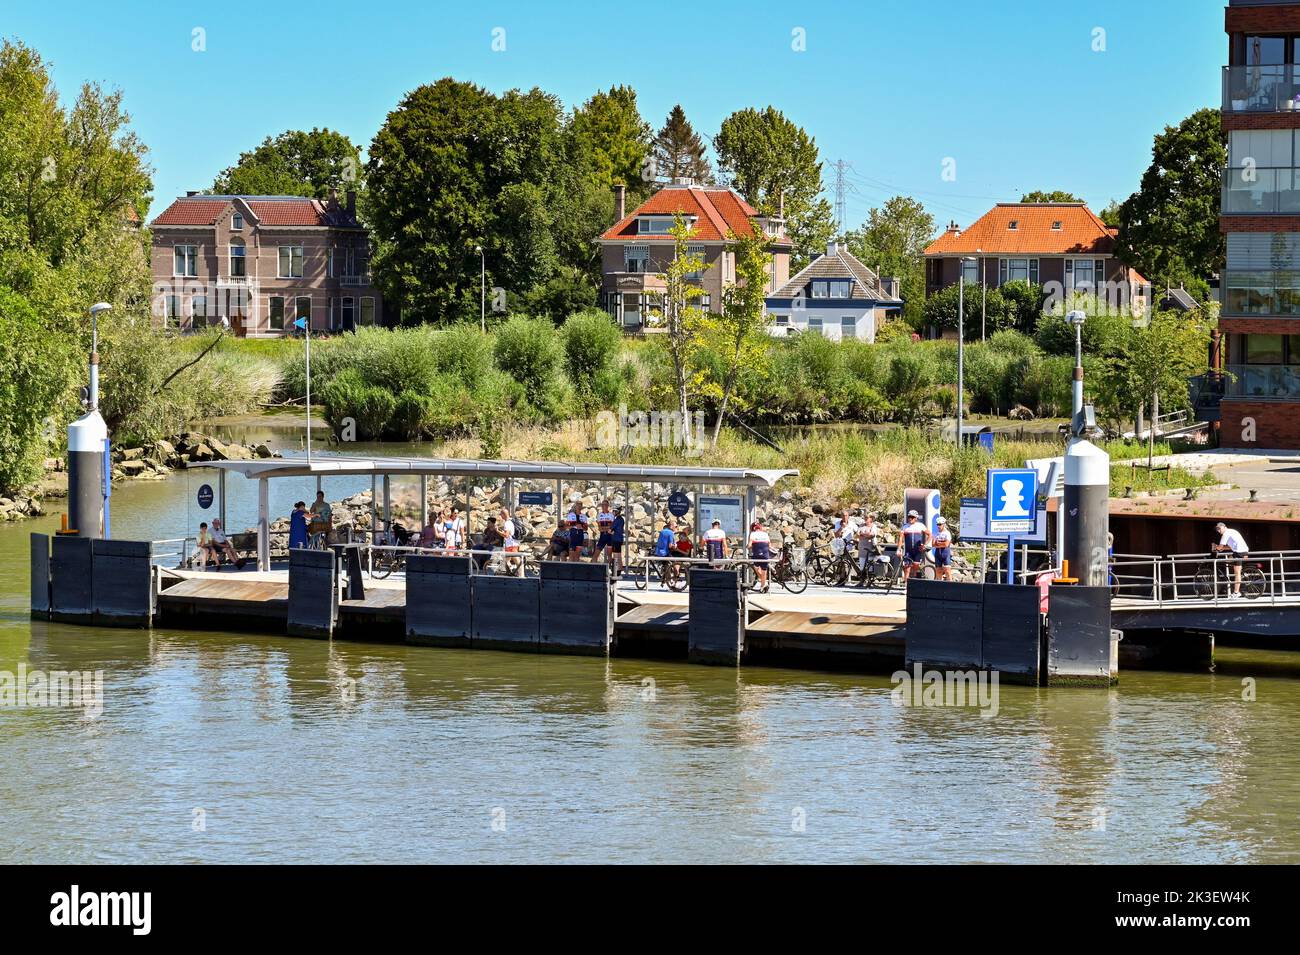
384,561
1207,578
786,570
666,573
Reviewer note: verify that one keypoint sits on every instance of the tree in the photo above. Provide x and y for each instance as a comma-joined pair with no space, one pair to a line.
1056,195
1169,228
1110,215
678,150
740,332
294,163
993,311
768,157
892,240
680,318
455,167
1156,362
611,138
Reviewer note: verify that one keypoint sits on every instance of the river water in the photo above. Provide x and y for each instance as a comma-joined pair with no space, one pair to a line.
229,747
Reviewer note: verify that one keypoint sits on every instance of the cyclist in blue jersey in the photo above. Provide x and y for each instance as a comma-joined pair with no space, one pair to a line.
913,541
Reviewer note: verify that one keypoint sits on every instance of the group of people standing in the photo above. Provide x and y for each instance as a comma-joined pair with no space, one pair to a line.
914,540
571,540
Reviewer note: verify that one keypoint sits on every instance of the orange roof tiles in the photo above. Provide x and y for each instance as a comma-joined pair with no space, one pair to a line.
716,212
1081,232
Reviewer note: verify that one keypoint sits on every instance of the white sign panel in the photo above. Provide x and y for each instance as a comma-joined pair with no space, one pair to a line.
729,510
974,519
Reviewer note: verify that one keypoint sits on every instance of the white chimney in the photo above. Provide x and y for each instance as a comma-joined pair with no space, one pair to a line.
832,247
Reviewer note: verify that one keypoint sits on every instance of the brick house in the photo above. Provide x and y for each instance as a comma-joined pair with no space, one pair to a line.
260,262
1259,321
1061,246
638,248
835,295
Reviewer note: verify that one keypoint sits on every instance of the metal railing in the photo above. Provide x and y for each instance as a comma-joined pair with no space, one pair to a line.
1261,292
1268,578
1261,190
1279,382
1263,88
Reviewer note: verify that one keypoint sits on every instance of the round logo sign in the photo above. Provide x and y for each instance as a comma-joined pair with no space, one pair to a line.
205,496
678,503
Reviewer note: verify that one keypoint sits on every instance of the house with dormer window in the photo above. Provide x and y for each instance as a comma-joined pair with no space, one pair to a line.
1062,246
637,249
835,295
259,263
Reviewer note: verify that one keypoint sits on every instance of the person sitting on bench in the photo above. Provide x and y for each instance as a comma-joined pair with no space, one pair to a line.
221,545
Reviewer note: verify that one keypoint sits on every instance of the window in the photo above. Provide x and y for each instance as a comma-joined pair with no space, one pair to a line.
237,303
815,325
659,225
1085,275
1014,225
302,309
970,272
1017,270
172,316
1265,349
1056,226
236,222
781,321
636,258
704,301
696,251
186,260
832,288
367,311
198,311
238,265
848,327
290,262
349,313
276,313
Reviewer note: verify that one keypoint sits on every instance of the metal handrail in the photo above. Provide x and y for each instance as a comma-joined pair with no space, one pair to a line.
1179,579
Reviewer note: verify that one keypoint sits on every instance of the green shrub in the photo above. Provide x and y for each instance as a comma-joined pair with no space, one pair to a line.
413,416
591,344
530,352
464,352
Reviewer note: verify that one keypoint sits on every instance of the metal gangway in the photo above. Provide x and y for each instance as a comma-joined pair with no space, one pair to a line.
1268,578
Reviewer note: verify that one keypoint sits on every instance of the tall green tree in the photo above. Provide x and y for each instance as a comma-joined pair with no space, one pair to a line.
739,333
1056,195
1169,228
679,313
611,138
679,151
767,156
455,167
294,163
892,240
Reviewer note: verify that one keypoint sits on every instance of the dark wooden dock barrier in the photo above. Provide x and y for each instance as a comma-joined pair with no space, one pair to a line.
1082,650
506,613
72,598
122,583
438,607
954,626
577,608
313,593
40,575
715,631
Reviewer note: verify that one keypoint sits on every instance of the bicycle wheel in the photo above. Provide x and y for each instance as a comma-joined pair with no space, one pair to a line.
639,580
381,568
1253,582
838,574
1205,583
795,581
676,579
748,576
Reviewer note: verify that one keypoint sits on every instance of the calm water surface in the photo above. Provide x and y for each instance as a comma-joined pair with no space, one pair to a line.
305,751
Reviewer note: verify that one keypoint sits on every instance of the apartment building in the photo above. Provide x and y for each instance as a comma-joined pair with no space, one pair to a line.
259,263
1260,216
637,249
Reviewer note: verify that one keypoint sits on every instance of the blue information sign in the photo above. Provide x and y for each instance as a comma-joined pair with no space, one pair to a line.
679,503
536,498
205,496
1012,501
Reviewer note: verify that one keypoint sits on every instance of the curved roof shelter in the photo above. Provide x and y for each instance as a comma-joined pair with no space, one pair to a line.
325,466
332,465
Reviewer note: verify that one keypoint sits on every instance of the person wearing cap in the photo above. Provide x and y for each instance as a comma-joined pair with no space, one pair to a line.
618,539
1234,545
605,526
913,540
942,542
867,545
760,552
715,542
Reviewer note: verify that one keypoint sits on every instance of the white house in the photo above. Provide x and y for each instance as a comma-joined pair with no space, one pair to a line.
835,295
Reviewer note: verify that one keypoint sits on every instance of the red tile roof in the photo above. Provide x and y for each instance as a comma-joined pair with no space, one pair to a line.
716,211
269,210
1081,232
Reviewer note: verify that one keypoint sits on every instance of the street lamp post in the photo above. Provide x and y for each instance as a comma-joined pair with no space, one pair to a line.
1076,319
482,288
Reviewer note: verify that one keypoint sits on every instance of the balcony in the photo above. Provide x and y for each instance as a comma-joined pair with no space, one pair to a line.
1261,293
1261,191
1263,382
634,282
1273,88
362,279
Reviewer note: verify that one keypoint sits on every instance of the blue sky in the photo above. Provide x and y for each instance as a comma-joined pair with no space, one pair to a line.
1012,90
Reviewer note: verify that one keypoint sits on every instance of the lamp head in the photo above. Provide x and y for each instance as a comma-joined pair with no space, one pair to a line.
1076,318
99,307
